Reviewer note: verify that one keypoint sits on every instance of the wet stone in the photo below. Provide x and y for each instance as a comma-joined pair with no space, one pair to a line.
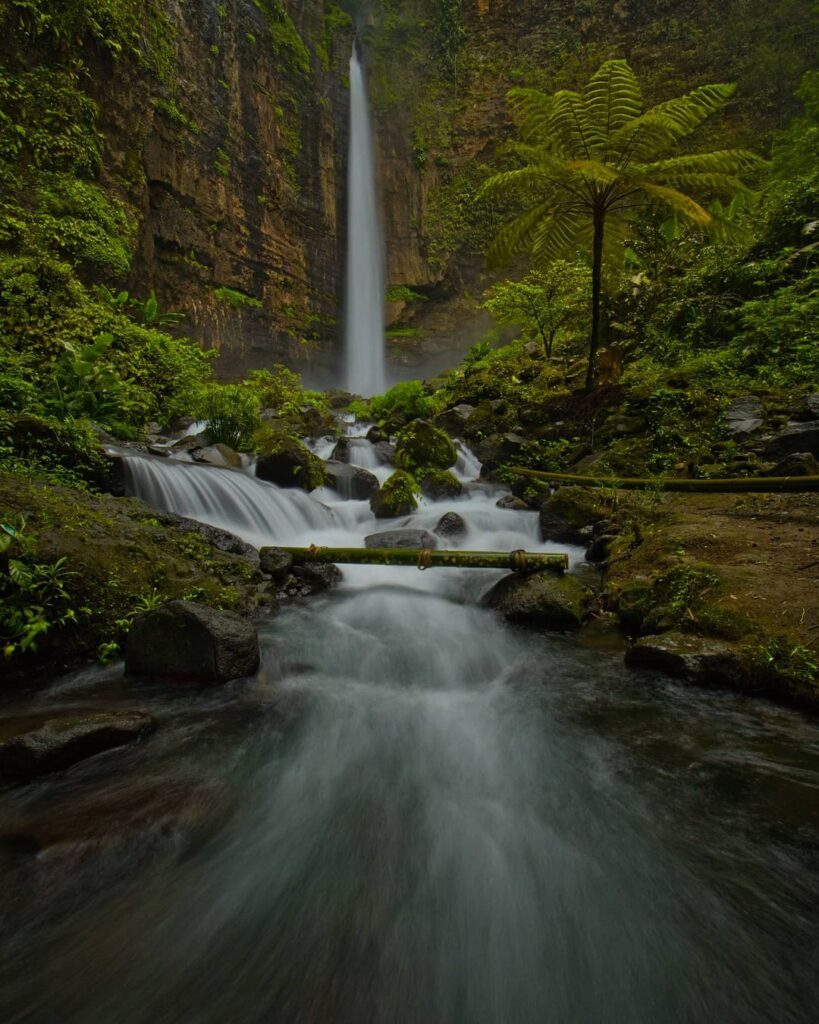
415,539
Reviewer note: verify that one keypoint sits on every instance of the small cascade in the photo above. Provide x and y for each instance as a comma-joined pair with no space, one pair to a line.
364,305
259,513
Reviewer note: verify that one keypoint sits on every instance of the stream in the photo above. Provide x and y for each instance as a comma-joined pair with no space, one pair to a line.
415,813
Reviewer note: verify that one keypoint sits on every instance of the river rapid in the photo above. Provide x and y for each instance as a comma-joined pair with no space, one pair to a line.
415,813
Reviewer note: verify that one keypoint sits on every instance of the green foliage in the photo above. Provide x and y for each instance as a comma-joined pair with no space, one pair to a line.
221,162
236,299
284,36
232,412
587,162
545,303
406,401
421,448
401,293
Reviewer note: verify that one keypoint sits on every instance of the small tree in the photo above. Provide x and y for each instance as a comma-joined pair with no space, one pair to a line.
591,160
543,303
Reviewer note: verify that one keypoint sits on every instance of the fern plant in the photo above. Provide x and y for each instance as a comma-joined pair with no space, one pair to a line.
589,161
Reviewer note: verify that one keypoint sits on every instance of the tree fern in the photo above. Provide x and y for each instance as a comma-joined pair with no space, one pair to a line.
589,161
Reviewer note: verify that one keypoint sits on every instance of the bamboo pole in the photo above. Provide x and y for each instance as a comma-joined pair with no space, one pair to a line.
735,485
429,558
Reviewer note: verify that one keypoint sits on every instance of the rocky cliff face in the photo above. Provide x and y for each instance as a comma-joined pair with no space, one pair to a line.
236,165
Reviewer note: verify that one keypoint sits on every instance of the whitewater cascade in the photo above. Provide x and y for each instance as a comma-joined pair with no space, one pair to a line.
364,304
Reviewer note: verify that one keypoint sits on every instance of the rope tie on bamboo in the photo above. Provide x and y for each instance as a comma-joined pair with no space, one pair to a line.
517,560
425,559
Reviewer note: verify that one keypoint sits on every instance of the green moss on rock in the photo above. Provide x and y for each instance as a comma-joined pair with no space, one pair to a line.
420,448
396,497
287,462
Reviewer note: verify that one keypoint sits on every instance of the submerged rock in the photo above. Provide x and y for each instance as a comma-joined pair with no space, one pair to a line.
351,481
512,504
385,453
540,600
401,539
60,742
451,526
699,660
185,642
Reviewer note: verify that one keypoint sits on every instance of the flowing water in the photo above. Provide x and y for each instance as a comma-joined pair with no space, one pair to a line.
364,302
433,818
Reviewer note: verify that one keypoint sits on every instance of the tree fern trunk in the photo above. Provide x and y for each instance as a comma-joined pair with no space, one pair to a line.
597,276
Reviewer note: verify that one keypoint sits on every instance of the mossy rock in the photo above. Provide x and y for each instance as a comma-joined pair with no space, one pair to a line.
287,462
396,497
421,447
566,513
73,445
441,484
540,600
119,554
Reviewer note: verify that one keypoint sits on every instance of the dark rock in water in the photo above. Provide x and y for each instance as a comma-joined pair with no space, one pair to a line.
219,539
385,453
539,600
307,580
696,659
565,514
185,642
351,481
454,420
513,504
180,423
289,463
159,449
60,742
396,498
188,443
600,548
341,452
798,464
376,434
219,455
441,484
744,416
796,438
401,539
451,526
276,563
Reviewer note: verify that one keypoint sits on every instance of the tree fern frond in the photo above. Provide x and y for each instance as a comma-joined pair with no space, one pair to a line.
515,237
569,123
521,177
594,171
722,161
719,184
678,202
556,235
531,111
612,98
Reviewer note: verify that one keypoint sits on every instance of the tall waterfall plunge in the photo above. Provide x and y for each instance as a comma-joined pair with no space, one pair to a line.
364,323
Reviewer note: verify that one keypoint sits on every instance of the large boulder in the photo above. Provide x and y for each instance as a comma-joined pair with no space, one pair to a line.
350,481
220,539
539,600
808,408
421,447
185,642
455,419
796,437
440,484
59,742
744,416
416,539
308,580
288,462
798,464
275,562
395,498
385,453
696,659
218,455
566,515
451,526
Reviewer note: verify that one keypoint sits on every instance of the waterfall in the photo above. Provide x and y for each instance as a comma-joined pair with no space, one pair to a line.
364,323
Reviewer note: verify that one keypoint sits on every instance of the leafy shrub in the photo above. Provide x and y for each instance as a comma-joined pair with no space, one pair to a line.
403,402
232,412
